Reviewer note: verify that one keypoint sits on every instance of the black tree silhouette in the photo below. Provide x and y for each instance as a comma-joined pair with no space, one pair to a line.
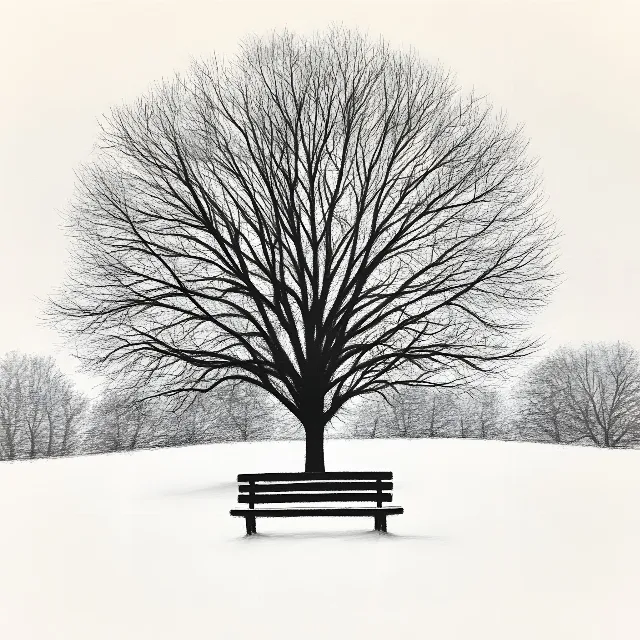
322,218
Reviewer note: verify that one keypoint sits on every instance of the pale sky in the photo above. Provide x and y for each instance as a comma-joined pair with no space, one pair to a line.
569,71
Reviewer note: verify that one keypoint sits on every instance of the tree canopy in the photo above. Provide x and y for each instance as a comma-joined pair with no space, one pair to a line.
323,218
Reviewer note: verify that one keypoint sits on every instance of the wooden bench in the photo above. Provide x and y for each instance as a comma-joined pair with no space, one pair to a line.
299,488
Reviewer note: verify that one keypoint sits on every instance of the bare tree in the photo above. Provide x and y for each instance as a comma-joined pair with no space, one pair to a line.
322,218
438,413
40,410
72,410
196,423
423,413
65,409
406,409
37,382
121,422
542,415
368,420
488,415
11,405
246,412
590,395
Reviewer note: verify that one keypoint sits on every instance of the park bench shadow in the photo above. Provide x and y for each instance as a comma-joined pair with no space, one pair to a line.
355,535
207,491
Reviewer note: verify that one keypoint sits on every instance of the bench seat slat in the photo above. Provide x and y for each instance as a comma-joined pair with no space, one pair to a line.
313,511
316,486
265,498
325,475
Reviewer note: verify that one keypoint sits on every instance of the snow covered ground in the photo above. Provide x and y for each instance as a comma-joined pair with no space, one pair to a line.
498,540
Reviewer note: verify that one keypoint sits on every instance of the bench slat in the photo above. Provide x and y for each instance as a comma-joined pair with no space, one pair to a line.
327,475
316,486
314,511
315,497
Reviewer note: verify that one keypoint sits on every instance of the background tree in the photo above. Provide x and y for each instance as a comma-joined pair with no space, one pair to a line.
196,423
488,415
12,434
419,412
367,419
589,395
405,413
41,412
66,413
247,412
433,413
321,218
439,411
542,412
121,422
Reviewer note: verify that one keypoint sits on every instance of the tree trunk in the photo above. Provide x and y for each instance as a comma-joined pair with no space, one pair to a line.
432,424
50,443
314,452
32,448
312,416
65,436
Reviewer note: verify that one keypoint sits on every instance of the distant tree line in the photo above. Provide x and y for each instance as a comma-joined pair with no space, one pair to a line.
42,414
588,396
119,421
433,413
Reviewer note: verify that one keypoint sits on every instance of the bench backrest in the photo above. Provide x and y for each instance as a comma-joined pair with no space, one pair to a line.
337,486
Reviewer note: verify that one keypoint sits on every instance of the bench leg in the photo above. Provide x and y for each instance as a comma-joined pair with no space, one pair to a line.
250,521
380,523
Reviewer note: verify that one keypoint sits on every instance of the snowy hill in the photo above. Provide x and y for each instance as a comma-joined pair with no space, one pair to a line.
498,540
